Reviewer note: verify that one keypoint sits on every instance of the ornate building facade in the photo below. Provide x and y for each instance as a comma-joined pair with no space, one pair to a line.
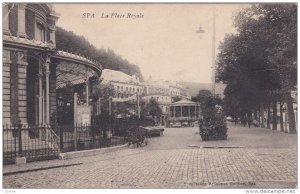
33,69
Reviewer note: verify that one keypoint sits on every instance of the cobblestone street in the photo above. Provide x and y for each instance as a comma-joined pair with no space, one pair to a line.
257,158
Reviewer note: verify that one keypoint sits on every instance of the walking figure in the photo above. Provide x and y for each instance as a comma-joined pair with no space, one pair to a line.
249,121
244,122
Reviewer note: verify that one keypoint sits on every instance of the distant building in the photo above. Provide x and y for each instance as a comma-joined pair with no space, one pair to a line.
164,92
173,89
124,85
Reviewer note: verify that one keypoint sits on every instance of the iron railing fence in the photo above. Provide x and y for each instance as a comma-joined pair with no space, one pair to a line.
85,137
44,142
35,143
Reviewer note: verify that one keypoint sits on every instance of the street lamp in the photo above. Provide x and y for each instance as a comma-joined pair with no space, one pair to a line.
201,31
213,52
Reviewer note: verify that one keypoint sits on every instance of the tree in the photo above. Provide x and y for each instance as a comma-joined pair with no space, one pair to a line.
207,102
260,60
203,96
152,108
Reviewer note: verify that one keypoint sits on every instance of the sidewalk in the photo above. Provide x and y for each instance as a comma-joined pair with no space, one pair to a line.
69,160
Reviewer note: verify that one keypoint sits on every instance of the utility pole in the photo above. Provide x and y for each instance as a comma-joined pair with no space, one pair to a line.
201,31
138,105
213,52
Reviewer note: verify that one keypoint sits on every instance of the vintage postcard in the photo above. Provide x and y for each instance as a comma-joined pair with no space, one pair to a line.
150,96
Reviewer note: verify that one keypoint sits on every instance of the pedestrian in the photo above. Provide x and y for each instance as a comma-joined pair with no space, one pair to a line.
249,121
244,122
235,120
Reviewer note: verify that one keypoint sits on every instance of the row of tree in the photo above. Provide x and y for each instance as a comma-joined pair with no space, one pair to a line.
259,63
70,42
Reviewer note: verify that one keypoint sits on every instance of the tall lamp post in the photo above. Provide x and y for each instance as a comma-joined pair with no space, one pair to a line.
213,53
201,31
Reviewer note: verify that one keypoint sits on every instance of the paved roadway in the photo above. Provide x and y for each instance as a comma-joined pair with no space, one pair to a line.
257,158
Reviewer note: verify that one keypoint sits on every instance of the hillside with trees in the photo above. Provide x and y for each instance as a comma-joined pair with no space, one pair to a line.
70,42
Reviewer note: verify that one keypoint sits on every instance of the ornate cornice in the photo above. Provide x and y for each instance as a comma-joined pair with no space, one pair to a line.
26,43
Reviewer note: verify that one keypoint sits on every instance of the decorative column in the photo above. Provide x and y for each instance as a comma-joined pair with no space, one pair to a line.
174,112
21,20
181,111
22,86
5,16
52,19
47,73
40,93
6,87
87,87
189,107
52,87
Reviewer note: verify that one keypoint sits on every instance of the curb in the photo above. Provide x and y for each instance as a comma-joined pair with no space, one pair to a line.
38,169
84,153
62,162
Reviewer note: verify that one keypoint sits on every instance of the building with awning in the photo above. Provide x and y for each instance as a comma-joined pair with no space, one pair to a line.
33,69
184,111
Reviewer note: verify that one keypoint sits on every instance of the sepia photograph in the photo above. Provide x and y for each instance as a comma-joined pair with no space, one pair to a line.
146,95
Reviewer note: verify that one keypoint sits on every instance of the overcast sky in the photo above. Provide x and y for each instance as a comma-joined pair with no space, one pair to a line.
163,43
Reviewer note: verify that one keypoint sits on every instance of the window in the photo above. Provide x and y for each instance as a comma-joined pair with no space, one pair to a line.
121,87
126,88
118,87
133,89
40,32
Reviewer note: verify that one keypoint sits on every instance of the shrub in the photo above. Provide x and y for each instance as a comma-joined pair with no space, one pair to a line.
213,126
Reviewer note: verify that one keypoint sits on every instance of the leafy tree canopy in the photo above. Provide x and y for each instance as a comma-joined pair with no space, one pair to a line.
152,108
260,58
